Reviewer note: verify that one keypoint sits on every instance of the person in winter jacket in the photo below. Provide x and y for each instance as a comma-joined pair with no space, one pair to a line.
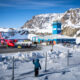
37,66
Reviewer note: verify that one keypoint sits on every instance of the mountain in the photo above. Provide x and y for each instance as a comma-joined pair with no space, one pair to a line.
70,22
12,33
42,21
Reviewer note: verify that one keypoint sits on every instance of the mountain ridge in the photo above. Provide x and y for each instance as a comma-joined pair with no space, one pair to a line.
70,19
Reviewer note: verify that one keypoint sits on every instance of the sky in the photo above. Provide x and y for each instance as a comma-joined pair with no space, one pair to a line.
14,13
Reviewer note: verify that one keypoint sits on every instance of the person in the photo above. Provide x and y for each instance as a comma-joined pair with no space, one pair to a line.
37,66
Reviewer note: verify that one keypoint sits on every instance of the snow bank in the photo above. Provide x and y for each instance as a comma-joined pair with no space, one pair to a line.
56,64
63,55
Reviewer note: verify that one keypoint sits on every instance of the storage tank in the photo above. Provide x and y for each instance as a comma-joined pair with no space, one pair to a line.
78,40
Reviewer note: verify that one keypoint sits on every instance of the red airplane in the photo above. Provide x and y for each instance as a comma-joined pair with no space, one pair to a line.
6,41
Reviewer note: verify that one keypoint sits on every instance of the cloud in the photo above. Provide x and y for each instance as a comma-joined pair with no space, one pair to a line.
29,4
6,5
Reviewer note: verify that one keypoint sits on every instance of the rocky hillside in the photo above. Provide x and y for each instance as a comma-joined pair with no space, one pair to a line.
70,21
42,21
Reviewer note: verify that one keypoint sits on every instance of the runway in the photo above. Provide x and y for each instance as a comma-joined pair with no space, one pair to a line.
13,50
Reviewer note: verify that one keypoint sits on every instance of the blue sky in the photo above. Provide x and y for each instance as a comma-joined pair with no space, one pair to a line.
14,13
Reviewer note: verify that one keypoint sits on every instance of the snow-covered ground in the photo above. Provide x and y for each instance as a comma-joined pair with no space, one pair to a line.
57,64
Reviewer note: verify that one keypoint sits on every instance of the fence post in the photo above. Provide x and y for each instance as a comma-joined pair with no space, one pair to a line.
13,68
46,62
52,47
68,58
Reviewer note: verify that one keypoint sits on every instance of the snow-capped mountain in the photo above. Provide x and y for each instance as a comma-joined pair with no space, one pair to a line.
71,18
42,21
12,33
70,22
5,29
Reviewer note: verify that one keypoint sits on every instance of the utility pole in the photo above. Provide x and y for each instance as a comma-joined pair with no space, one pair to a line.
13,68
46,62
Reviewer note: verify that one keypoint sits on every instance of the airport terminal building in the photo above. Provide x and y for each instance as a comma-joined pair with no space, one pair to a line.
55,37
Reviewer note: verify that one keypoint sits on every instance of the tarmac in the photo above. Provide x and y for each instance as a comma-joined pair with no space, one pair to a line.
4,49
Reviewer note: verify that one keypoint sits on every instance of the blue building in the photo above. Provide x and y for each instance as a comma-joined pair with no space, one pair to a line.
56,28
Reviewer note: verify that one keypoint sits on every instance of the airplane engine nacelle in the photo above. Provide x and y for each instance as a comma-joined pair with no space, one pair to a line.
11,44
